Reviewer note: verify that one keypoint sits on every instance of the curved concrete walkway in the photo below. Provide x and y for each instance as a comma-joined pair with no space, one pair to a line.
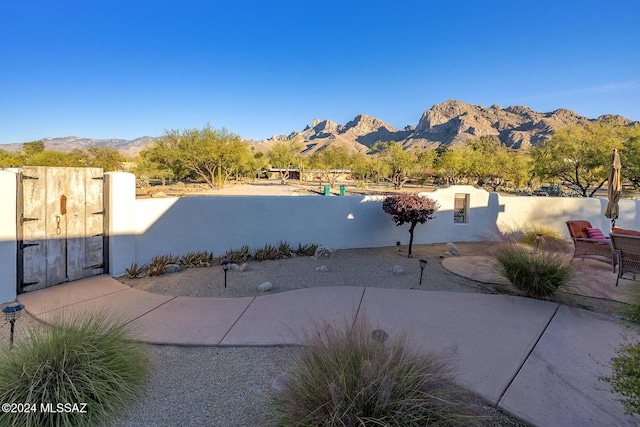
538,360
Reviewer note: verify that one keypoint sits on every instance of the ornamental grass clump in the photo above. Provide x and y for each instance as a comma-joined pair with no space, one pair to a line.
88,360
537,274
349,376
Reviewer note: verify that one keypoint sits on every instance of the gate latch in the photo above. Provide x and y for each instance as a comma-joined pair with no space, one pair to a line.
58,230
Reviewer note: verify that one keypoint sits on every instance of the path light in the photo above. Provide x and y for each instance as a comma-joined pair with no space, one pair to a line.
537,244
423,264
11,313
226,264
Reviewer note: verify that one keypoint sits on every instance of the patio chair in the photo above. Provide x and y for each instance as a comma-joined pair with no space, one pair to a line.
590,242
626,249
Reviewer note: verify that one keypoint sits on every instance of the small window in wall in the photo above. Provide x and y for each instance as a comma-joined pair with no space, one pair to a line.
461,208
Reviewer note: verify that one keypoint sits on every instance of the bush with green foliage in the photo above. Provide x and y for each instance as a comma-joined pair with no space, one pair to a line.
625,377
348,376
537,274
88,359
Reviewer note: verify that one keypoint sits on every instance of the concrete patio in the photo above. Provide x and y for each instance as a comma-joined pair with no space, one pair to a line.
538,360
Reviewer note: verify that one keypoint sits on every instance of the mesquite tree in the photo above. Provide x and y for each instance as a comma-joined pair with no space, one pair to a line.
411,209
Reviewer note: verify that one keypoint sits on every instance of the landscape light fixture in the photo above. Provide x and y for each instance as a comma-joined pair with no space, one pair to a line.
537,244
423,264
11,313
226,264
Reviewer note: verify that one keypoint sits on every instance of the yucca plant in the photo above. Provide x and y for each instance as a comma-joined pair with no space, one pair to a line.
348,376
268,251
188,260
537,274
134,270
284,249
85,360
307,249
239,255
159,264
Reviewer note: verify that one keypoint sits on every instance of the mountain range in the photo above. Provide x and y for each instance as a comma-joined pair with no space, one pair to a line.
450,123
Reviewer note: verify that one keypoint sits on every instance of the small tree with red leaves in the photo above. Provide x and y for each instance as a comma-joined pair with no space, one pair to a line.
411,209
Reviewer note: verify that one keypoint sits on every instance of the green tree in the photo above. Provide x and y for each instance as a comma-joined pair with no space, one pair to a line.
33,147
283,155
56,159
331,161
630,156
212,155
106,158
579,156
9,159
399,165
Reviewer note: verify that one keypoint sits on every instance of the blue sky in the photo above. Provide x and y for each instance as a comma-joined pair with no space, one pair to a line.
125,69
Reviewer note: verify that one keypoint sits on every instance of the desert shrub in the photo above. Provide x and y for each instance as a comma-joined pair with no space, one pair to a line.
550,240
308,249
158,264
136,270
268,251
536,274
197,259
284,249
83,360
239,255
625,377
346,376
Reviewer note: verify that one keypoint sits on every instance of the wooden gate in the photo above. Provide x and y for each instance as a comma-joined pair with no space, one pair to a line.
60,225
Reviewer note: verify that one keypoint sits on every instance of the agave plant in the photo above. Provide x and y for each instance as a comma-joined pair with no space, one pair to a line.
135,271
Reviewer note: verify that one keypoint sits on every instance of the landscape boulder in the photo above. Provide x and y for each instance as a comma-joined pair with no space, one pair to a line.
397,269
173,268
321,268
265,287
323,251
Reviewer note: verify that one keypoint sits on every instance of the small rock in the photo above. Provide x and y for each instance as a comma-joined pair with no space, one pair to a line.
173,268
452,249
141,275
321,268
244,267
264,287
397,269
323,251
234,267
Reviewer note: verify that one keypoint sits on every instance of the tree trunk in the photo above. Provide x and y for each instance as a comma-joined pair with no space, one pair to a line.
413,227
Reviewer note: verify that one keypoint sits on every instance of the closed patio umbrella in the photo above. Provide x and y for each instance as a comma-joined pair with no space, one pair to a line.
614,189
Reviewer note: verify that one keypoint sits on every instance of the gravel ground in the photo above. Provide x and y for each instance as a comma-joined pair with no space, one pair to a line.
229,386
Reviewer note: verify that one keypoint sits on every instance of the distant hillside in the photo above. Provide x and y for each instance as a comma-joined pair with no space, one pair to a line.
130,148
450,123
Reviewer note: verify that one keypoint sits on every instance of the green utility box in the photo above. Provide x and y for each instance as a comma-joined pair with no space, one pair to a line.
327,190
343,190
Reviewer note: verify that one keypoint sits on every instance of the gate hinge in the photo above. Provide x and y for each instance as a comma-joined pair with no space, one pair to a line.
23,283
98,235
23,219
98,177
98,213
29,177
26,245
